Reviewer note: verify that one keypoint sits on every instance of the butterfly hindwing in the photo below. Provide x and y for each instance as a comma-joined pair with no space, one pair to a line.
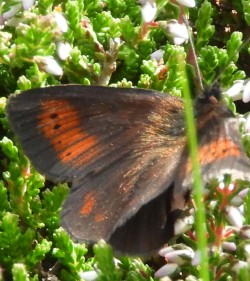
148,229
220,149
102,203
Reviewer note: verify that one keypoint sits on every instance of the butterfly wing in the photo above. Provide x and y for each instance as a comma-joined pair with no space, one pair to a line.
111,143
220,148
149,229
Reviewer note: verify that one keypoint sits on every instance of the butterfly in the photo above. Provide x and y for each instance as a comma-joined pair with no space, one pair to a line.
125,152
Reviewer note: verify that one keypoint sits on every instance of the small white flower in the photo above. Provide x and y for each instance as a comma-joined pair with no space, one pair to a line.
188,3
234,216
178,31
157,55
239,265
240,90
243,193
183,224
166,270
246,92
89,275
49,65
229,246
148,10
165,278
241,209
63,50
178,41
238,199
61,21
245,232
235,91
12,11
27,4
180,256
212,204
196,259
166,250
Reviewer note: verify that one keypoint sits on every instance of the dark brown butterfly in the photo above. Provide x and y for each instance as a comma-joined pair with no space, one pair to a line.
125,153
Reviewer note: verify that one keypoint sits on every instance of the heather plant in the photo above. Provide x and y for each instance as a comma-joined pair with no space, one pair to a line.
121,44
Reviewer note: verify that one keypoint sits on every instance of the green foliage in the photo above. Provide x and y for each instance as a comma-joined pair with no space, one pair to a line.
205,29
246,10
109,44
20,273
24,214
105,262
118,270
70,255
214,61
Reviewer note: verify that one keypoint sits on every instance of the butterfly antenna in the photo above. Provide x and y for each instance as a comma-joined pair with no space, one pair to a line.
194,59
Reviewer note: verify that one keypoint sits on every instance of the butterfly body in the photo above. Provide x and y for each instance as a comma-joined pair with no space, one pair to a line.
125,153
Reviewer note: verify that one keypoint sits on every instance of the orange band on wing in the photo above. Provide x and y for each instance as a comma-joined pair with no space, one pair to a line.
100,217
213,151
219,149
61,125
89,203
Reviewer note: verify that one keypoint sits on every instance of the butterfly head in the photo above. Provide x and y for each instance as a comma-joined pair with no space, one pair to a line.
211,101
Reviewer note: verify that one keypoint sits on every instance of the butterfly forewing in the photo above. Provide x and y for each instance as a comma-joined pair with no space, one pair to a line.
77,126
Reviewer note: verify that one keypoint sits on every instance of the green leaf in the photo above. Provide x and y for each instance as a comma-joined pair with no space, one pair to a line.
8,148
205,29
20,273
105,261
38,253
71,255
246,10
233,46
